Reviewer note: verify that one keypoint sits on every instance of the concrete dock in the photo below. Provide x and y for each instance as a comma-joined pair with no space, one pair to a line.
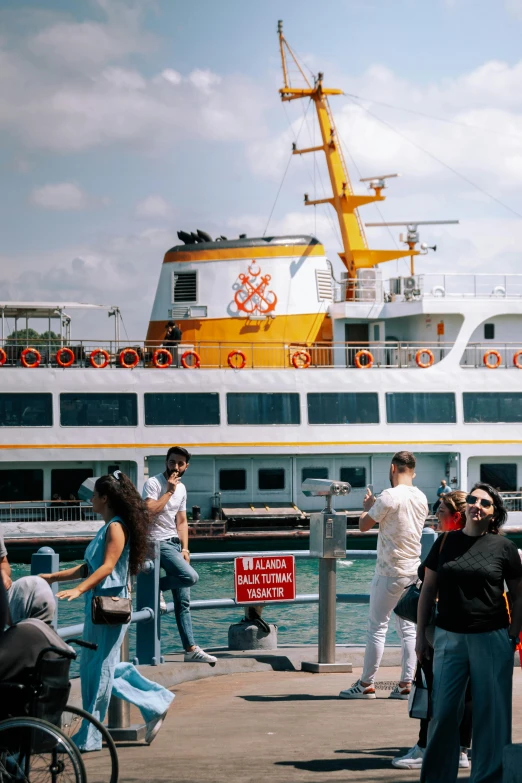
254,717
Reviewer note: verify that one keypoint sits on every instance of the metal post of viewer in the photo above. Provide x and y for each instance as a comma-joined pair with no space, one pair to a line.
328,543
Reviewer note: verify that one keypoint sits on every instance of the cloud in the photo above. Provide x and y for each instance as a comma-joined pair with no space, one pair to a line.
62,197
153,207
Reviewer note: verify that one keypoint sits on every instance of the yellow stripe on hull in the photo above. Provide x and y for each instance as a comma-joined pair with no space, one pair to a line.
258,444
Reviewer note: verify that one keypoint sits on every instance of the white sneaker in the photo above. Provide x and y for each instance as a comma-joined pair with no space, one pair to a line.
153,727
162,604
358,691
411,760
400,693
463,759
197,655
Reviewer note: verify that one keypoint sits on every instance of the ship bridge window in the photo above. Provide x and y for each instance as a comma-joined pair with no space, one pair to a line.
232,480
276,408
501,476
489,331
21,485
271,478
191,409
421,408
98,410
492,407
184,287
26,410
343,408
354,476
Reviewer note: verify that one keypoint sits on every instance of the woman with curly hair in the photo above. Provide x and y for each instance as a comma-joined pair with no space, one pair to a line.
475,639
118,550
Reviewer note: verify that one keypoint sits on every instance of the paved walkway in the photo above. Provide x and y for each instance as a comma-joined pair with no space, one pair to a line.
278,726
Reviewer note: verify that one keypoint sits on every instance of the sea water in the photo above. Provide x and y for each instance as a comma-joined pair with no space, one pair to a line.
296,623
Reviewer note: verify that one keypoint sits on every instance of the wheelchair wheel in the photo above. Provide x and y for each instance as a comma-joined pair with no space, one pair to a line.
34,751
72,718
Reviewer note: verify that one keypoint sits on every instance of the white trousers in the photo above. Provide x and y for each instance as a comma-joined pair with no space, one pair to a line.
385,592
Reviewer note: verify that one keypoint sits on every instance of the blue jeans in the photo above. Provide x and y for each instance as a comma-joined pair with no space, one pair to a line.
180,578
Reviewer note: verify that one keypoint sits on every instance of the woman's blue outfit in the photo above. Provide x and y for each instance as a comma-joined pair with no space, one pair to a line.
98,668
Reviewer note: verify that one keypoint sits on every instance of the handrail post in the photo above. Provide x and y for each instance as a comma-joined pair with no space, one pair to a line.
119,710
46,561
148,634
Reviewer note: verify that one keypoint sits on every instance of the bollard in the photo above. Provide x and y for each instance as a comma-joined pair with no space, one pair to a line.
148,634
46,561
428,538
119,725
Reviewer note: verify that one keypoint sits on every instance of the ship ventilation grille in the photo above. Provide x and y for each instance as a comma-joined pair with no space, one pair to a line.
184,287
324,285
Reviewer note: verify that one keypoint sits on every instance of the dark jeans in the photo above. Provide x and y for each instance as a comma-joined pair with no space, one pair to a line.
465,724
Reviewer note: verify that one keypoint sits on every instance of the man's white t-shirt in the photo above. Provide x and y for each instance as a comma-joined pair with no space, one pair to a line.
401,512
164,523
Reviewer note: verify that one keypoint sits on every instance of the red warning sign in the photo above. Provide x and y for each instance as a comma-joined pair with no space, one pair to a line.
258,579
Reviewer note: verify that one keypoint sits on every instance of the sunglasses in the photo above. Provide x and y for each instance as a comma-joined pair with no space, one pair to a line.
471,500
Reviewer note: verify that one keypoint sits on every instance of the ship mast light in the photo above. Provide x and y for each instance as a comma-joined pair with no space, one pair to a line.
411,238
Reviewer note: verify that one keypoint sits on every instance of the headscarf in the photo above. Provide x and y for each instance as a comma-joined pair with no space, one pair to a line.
31,596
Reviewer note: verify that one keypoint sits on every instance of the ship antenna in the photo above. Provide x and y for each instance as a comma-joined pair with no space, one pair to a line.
355,254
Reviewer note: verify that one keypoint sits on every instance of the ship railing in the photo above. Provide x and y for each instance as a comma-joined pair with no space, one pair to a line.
496,354
512,500
429,286
46,511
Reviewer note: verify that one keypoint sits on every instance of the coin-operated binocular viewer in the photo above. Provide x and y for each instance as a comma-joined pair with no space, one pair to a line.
328,543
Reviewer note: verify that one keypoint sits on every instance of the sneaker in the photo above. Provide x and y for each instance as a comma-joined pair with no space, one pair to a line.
162,604
400,693
411,760
197,655
358,691
153,727
463,759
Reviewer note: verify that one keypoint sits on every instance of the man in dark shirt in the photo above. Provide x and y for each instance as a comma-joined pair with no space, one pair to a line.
172,340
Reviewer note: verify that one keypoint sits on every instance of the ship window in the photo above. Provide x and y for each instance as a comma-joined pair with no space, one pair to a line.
489,331
492,407
98,410
343,408
354,476
26,410
164,410
502,477
277,408
184,287
420,408
232,480
66,482
271,478
307,473
21,485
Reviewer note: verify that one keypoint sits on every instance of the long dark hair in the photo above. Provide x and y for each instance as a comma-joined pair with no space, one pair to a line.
124,499
500,513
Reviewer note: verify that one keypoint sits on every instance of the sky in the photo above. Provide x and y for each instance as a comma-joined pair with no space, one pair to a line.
124,121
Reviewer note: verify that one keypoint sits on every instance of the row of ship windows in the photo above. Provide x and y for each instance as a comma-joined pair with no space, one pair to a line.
196,409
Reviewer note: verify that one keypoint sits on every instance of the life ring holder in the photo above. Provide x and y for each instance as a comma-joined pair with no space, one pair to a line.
99,352
69,352
3,357
135,358
241,356
515,360
497,363
197,360
306,360
161,352
424,352
357,359
26,352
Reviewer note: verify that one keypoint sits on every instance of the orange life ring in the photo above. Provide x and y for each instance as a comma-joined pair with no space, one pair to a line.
306,360
197,360
231,364
497,363
515,359
357,360
420,354
37,356
161,352
135,358
60,352
3,357
99,352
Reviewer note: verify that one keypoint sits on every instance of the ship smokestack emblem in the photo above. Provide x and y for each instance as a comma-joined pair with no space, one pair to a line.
251,296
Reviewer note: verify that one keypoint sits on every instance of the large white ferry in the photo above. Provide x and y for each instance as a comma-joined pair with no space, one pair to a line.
283,372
